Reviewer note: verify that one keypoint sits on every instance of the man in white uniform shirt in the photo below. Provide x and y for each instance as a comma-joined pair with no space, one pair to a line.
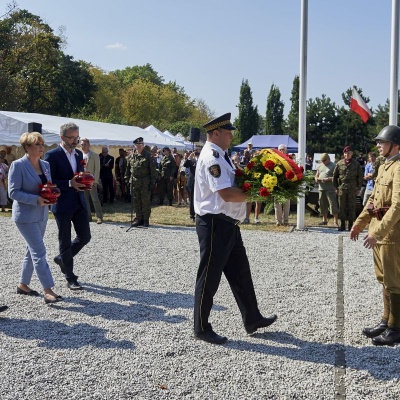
220,207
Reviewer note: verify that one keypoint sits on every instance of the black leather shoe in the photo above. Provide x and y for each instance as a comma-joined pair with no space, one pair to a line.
74,285
29,293
3,308
137,223
210,337
52,301
58,261
376,330
146,223
387,338
262,323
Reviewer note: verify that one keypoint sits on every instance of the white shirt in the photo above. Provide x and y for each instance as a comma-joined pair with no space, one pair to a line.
206,184
71,158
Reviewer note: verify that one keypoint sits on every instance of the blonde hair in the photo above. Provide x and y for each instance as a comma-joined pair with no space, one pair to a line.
30,138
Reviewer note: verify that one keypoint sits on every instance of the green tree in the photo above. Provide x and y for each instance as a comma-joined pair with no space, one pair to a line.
292,124
274,115
146,73
248,120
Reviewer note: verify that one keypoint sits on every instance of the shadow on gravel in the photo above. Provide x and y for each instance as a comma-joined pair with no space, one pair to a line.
56,335
380,362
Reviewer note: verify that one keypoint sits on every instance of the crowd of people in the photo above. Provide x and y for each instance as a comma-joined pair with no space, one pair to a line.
206,181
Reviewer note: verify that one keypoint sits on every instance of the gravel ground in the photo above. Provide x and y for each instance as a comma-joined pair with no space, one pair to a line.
129,334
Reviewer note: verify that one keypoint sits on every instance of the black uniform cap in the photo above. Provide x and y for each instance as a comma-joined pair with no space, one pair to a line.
138,140
224,122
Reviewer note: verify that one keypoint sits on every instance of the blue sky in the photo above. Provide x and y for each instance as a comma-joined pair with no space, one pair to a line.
209,46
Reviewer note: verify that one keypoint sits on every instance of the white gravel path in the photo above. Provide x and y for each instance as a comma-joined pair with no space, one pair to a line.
129,335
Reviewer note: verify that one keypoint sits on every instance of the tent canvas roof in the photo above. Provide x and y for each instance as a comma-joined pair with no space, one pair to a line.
14,124
269,141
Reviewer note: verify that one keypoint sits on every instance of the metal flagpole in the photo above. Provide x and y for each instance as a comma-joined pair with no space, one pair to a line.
394,65
302,104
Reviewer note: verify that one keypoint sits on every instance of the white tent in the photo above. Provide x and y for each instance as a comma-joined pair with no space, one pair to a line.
14,124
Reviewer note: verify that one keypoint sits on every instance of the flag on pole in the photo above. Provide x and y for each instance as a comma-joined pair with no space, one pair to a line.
357,104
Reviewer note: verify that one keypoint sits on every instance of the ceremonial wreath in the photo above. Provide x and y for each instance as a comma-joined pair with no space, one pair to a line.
271,176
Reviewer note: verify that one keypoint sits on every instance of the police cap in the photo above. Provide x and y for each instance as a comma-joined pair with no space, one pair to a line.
224,122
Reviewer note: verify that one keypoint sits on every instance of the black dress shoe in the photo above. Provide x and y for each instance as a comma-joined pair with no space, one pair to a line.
376,330
27,293
146,223
52,301
210,337
74,285
58,261
262,323
3,308
387,338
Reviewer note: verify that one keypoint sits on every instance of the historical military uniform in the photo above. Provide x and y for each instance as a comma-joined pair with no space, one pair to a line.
347,180
141,174
382,213
221,245
167,171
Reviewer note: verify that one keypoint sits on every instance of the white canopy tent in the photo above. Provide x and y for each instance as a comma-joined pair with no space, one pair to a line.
14,124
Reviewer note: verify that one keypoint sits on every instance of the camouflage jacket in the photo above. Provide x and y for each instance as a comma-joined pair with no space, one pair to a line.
140,166
168,166
347,176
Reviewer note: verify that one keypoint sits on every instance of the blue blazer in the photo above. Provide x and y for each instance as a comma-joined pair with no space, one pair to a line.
23,188
62,173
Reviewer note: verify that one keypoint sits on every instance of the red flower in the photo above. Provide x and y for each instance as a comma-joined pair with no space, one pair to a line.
239,172
250,165
83,162
289,175
246,187
301,168
269,165
264,192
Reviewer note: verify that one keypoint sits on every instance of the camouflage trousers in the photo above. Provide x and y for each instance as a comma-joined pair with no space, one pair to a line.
347,204
141,197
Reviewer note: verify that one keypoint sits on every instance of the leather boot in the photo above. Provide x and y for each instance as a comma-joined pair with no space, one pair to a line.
146,223
342,226
376,330
350,224
138,222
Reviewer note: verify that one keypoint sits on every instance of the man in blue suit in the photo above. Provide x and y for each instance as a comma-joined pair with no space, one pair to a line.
65,161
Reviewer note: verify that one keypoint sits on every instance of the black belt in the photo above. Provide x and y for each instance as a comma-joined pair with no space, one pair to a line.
225,218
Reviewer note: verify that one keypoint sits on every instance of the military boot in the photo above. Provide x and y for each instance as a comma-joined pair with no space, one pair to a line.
392,333
376,330
342,226
138,222
146,223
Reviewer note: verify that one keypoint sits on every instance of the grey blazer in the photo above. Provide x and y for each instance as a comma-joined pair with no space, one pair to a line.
23,188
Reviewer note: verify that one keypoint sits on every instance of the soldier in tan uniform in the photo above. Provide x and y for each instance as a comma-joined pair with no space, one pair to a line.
382,213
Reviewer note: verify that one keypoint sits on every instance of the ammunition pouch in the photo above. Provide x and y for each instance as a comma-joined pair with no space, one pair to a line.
377,213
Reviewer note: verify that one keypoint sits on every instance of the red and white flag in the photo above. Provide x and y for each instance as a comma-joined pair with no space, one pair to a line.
357,104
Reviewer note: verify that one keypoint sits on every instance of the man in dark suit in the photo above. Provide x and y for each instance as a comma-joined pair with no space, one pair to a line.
65,161
106,175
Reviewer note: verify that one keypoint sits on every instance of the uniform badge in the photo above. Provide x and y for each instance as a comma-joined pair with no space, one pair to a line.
215,170
215,153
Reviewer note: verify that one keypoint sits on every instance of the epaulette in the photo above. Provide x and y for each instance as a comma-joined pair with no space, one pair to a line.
215,153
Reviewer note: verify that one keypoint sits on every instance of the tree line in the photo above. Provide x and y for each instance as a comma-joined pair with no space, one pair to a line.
37,76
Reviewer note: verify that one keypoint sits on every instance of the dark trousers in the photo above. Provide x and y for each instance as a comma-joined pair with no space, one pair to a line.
191,199
68,249
222,251
166,188
108,188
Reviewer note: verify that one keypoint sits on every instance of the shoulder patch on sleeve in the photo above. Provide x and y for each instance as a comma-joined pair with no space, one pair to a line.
215,153
215,170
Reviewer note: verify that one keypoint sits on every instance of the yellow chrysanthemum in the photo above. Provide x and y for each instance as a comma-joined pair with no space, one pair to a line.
269,181
278,170
257,175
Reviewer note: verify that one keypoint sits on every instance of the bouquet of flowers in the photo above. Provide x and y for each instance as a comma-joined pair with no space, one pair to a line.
271,176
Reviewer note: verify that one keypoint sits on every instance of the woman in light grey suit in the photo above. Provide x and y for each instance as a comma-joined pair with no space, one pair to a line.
30,213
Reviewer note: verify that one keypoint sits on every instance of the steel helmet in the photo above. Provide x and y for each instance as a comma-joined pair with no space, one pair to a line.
390,133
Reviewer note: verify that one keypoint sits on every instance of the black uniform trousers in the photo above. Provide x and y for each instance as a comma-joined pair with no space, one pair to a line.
69,249
222,251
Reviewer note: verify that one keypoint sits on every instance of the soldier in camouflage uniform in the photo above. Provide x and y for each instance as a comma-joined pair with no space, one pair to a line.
382,215
167,170
347,180
141,174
